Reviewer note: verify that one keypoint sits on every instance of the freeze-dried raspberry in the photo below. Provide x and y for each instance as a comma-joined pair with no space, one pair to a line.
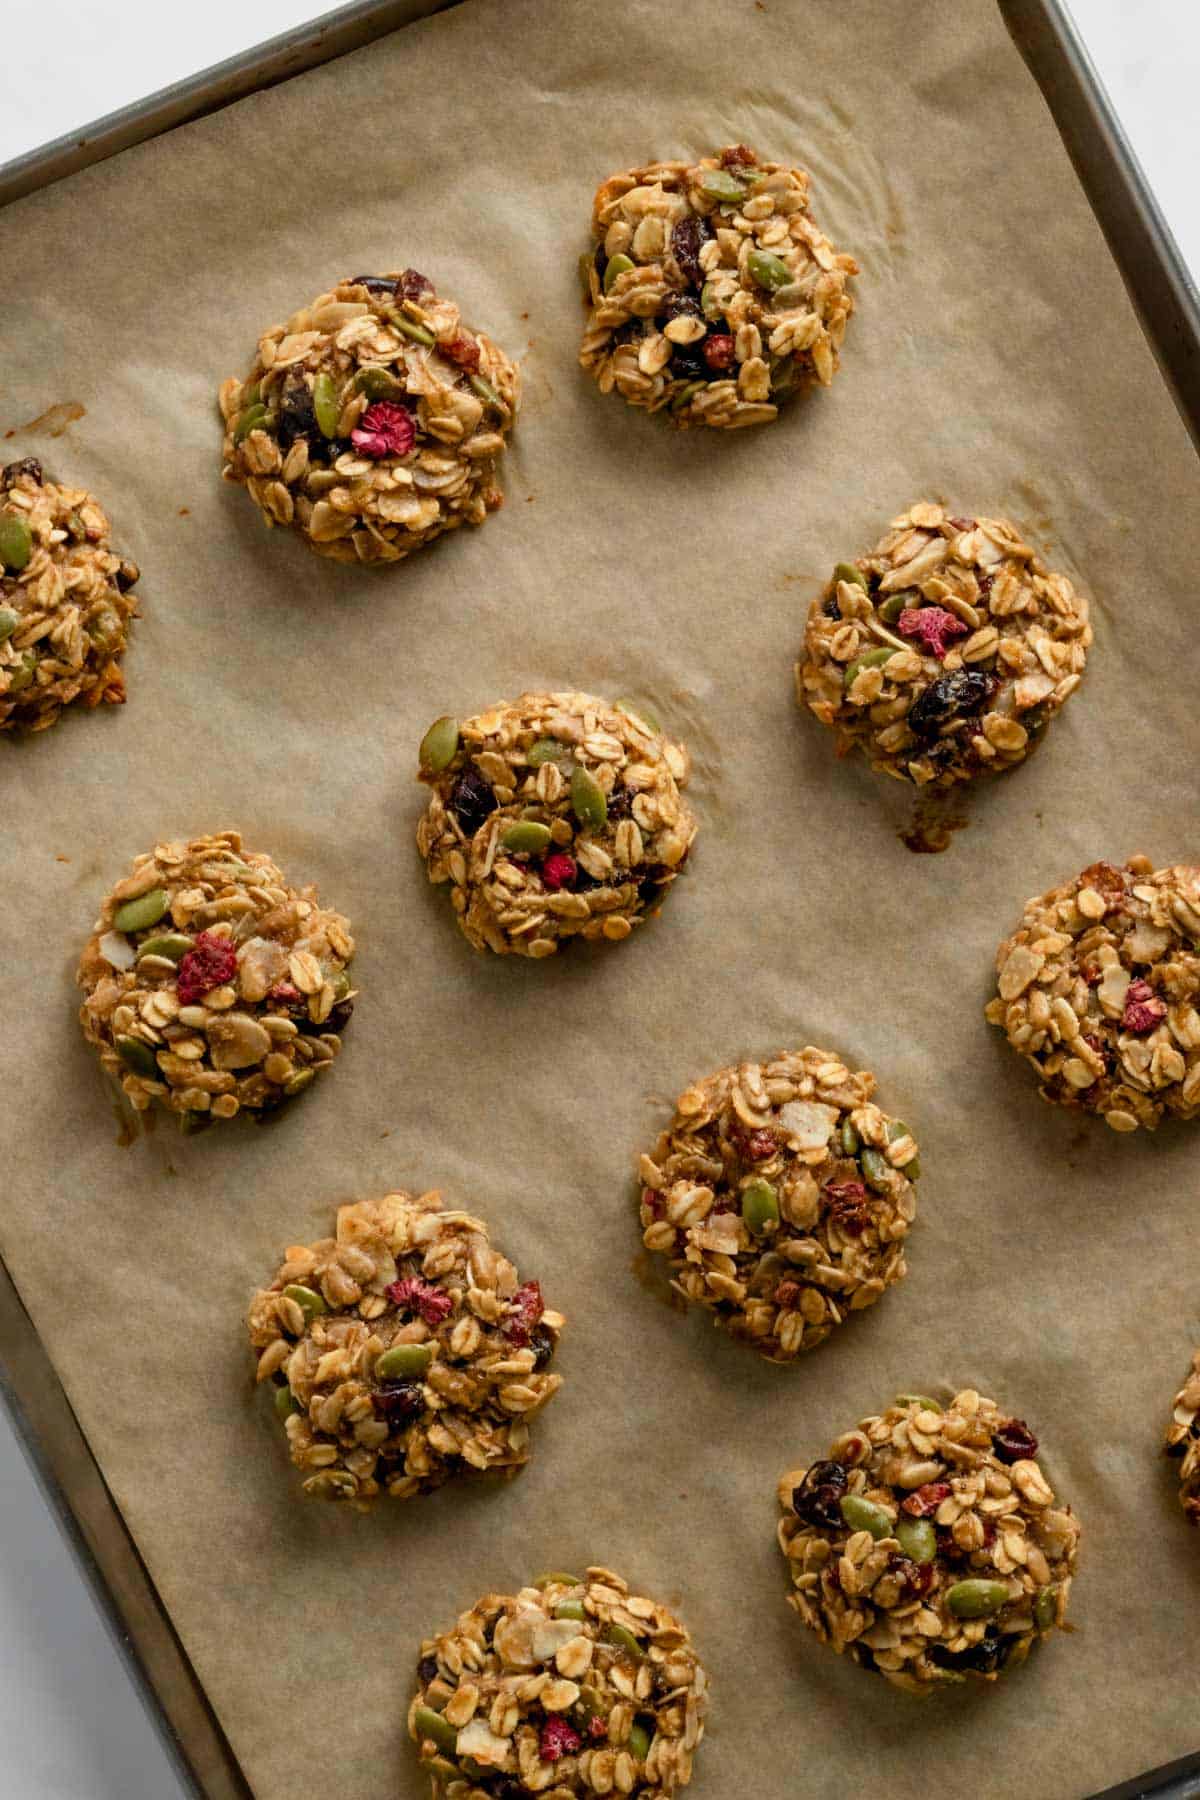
385,430
557,1739
848,1206
433,1303
210,963
1143,1009
933,625
559,870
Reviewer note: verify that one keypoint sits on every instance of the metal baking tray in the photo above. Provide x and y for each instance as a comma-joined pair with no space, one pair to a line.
1168,305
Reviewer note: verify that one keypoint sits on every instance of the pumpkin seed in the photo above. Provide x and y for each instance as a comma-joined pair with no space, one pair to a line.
486,392
1045,1609
918,1400
917,1539
587,799
865,1515
895,1131
570,1609
849,572
285,1402
526,837
377,384
22,675
296,1083
409,329
311,1303
252,419
439,746
617,265
851,1142
760,1206
637,711
621,1638
641,1735
547,1580
891,609
251,395
876,1169
871,659
171,944
975,1599
430,1724
403,1360
137,1055
685,394
768,270
9,620
325,403
546,750
137,914
16,541
719,184
710,303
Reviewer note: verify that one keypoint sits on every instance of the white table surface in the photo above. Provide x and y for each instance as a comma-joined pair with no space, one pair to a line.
72,1722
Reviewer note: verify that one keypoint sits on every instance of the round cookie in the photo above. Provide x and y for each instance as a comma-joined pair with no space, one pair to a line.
945,652
1183,1440
929,1544
404,1351
211,986
781,1196
1099,988
65,604
572,1686
371,422
554,816
712,293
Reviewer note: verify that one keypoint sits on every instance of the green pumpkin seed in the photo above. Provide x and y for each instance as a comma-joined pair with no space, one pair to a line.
891,609
768,270
719,184
621,1638
918,1400
295,1084
286,1402
409,329
546,750
430,1724
486,392
849,572
22,675
637,711
137,1055
710,302
403,1360
641,1736
439,746
685,393
1045,1609
137,914
526,838
876,1169
871,659
251,395
311,1303
917,1539
760,1206
617,265
895,1131
556,1575
587,799
174,945
16,541
377,384
252,419
105,629
325,403
570,1609
851,1142
864,1515
9,620
975,1599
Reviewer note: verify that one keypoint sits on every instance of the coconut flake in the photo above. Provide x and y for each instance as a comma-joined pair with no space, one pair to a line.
476,1740
808,1123
117,950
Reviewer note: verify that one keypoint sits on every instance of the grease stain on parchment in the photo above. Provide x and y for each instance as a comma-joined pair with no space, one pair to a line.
54,421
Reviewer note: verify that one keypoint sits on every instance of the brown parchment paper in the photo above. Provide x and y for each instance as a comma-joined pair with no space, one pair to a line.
994,360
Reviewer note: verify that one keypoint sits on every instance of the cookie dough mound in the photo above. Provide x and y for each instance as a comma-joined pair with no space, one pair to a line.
371,422
945,652
1183,1440
554,816
929,1544
711,291
572,1686
65,604
405,1351
781,1196
1099,988
213,987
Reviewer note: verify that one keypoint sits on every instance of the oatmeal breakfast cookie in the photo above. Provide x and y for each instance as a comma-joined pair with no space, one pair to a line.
553,816
572,1686
371,422
1183,1440
711,291
781,1196
1098,990
946,651
212,986
929,1543
404,1351
65,604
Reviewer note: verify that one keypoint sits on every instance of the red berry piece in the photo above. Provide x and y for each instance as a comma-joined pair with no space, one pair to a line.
527,1308
423,1297
210,963
557,1739
718,351
1143,1008
559,871
933,626
1014,1442
384,430
926,1499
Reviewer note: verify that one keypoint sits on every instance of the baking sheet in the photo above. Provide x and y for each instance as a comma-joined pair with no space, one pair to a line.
995,359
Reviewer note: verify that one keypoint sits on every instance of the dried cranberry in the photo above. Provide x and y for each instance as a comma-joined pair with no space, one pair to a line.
28,465
688,364
651,885
210,963
543,1345
679,306
340,1016
962,692
984,1658
295,417
1014,1442
787,1294
620,803
687,238
472,801
527,1308
557,1739
461,350
1143,1008
285,997
126,575
717,349
915,1578
559,871
398,1402
653,1203
985,585
737,155
848,1206
374,284
926,1499
754,1146
412,285
427,1667
816,1499
933,626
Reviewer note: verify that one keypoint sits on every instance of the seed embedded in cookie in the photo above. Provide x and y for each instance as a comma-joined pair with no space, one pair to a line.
1098,989
371,422
943,653
1183,1441
553,816
65,604
930,1544
572,1686
213,987
712,293
404,1351
781,1197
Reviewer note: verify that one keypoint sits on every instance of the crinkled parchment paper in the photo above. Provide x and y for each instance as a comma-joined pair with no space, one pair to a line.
994,360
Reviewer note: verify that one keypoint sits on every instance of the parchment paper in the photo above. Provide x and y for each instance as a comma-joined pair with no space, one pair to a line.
994,359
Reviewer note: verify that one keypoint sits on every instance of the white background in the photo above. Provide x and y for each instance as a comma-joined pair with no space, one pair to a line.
71,1721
